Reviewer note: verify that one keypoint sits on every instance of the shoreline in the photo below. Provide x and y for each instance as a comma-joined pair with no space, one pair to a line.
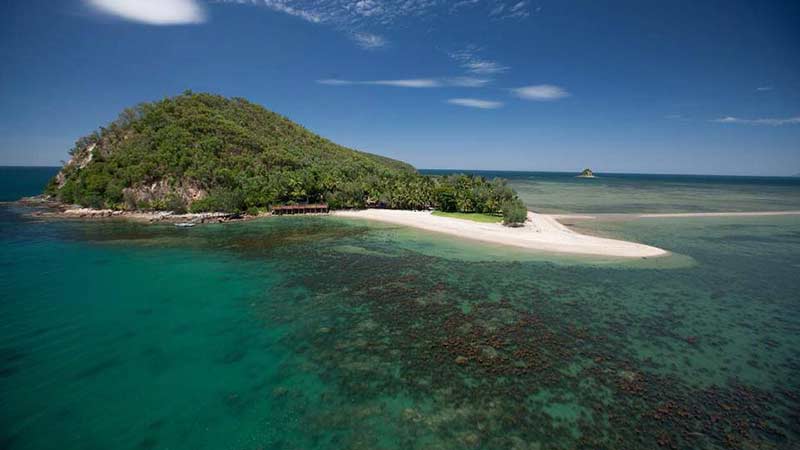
540,232
46,209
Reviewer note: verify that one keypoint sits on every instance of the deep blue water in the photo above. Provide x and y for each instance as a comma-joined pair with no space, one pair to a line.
17,182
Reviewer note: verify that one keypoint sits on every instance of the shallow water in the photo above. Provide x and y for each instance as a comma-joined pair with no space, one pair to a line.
324,333
552,192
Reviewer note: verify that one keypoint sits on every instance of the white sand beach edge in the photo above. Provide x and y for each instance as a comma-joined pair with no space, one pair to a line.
540,232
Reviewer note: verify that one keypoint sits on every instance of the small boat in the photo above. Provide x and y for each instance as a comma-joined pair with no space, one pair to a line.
184,224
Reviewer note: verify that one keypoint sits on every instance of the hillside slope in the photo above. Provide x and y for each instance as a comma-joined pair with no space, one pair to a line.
204,152
201,147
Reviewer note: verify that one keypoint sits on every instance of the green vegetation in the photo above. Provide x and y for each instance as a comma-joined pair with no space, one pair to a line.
514,213
203,152
475,217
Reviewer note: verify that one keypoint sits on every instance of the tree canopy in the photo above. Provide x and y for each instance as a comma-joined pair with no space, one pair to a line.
204,152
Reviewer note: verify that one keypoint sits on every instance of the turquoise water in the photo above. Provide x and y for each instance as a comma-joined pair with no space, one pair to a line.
322,333
552,192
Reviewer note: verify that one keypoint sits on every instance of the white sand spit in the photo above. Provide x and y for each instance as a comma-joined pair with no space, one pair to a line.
540,232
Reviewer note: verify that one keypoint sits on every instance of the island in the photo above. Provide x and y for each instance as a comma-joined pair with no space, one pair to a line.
203,153
198,157
587,173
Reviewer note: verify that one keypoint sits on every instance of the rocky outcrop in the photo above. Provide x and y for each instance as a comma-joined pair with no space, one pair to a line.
76,212
79,160
186,192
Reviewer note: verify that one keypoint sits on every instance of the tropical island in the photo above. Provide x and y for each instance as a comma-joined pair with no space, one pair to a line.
206,153
198,154
586,173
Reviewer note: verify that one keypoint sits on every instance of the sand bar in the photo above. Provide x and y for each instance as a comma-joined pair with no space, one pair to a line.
541,232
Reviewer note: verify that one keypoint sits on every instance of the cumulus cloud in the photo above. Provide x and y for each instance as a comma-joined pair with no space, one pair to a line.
770,122
475,103
540,92
152,12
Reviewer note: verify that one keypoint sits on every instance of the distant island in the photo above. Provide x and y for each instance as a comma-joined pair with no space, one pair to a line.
587,173
200,152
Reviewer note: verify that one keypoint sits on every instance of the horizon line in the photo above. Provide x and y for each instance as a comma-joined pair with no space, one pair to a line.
796,175
616,172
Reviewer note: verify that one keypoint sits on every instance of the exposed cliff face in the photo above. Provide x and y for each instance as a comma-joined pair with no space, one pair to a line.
185,192
79,160
152,193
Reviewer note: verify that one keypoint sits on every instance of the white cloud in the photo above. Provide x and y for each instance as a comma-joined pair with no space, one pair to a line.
764,88
407,83
285,7
510,10
348,14
152,12
497,9
462,4
519,10
467,81
369,41
356,17
335,82
540,92
470,61
414,83
470,82
484,67
770,122
475,103
352,17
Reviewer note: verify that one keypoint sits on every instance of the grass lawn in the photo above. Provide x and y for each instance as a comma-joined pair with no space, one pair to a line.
475,217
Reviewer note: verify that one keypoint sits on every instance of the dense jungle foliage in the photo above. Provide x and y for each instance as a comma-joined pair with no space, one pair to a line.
203,152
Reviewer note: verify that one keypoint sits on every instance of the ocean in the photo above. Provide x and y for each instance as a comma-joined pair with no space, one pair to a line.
327,333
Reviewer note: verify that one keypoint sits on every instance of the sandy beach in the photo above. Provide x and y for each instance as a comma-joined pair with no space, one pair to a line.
541,232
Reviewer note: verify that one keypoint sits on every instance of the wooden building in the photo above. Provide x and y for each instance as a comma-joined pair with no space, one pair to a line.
300,209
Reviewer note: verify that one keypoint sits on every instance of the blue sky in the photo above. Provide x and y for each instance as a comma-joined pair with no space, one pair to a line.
627,86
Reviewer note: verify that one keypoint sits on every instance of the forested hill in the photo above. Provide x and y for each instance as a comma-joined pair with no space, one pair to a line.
205,152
